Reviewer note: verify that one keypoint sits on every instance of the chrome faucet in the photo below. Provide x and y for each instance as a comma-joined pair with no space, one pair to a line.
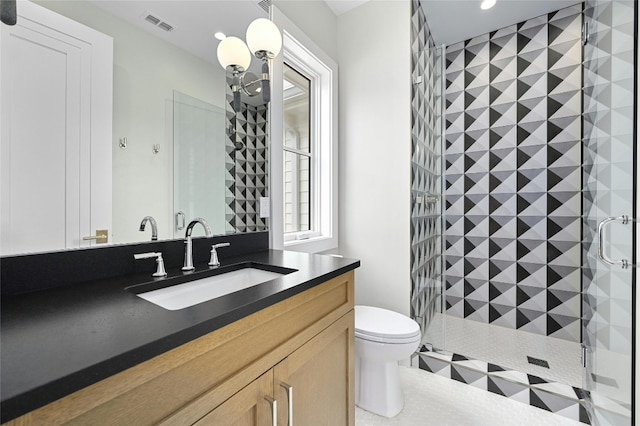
214,261
188,250
154,227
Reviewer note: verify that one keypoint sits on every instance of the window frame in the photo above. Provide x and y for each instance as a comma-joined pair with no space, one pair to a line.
313,172
305,56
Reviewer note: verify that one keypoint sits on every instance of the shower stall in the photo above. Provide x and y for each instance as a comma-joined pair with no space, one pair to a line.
523,206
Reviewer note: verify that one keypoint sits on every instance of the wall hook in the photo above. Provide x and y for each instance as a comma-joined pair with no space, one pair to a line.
156,148
123,143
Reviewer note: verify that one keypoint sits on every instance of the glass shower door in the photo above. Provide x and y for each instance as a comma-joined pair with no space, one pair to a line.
427,219
608,197
199,158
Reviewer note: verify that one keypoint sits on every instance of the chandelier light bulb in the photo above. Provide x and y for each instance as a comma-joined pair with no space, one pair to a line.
233,52
264,36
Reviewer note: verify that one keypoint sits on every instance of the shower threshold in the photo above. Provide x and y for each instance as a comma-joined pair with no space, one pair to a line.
509,348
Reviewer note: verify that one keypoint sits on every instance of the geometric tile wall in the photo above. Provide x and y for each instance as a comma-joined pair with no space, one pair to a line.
513,176
608,150
246,165
426,171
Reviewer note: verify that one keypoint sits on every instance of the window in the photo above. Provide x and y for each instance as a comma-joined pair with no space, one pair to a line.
298,155
303,154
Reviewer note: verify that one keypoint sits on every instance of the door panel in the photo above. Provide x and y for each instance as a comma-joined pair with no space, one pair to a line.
310,371
199,154
249,407
43,74
55,151
608,189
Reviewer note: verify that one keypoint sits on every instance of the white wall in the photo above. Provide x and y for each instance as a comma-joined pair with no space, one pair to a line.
316,19
146,71
374,57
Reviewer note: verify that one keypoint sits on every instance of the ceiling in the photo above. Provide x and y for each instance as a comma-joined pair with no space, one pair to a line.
451,21
341,6
195,22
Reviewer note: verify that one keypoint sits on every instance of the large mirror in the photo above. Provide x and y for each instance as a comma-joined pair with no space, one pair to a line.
178,150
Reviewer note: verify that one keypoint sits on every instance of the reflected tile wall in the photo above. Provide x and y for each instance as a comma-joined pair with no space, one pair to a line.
246,177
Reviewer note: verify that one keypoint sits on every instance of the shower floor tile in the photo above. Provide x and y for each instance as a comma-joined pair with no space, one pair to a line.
434,400
508,348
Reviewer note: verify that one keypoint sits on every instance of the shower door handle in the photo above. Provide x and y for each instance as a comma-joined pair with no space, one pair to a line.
601,237
180,221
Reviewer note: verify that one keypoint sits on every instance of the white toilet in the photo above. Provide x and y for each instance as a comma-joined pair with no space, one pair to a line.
383,338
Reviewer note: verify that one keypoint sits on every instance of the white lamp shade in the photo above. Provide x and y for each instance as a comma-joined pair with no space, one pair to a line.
262,34
233,51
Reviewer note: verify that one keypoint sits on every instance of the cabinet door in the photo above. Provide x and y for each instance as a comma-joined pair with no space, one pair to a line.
249,407
320,375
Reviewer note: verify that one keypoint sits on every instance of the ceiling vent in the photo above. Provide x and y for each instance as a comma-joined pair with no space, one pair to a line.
264,5
157,21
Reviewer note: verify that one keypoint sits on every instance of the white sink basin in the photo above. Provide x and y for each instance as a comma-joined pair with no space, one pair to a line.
182,296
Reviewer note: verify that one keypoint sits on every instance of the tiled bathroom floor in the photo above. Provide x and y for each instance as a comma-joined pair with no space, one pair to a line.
434,400
508,348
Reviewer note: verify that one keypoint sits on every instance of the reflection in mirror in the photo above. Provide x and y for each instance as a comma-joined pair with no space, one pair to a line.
250,84
149,64
198,164
248,133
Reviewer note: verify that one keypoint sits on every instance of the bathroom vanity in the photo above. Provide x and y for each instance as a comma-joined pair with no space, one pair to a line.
96,353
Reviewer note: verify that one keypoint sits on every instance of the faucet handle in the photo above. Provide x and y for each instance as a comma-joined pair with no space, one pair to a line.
214,261
160,271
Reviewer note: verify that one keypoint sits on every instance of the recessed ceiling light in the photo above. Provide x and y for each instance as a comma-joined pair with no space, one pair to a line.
487,4
220,36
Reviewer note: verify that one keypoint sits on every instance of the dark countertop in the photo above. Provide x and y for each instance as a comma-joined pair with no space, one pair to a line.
60,340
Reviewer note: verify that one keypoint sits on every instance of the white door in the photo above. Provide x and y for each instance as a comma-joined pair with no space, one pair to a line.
56,89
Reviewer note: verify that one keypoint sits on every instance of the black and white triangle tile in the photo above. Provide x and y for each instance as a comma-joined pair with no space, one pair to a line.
559,398
246,175
513,175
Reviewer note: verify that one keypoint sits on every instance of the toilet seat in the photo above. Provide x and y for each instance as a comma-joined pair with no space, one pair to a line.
387,340
384,326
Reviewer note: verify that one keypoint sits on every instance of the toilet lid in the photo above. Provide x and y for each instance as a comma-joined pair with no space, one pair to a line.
384,324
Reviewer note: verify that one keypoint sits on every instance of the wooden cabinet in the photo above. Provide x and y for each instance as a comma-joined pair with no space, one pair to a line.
309,385
316,374
306,341
253,405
